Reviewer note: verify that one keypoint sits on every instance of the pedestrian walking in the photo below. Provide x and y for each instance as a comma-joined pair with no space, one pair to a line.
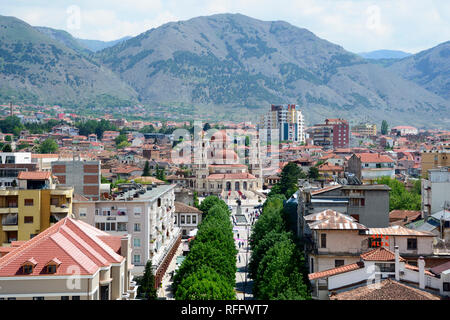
239,258
239,244
238,235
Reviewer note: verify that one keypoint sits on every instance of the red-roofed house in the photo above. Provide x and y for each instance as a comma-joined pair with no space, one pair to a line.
371,166
370,270
71,260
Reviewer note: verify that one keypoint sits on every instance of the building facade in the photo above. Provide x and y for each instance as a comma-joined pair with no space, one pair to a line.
84,176
287,120
71,260
435,190
32,208
147,213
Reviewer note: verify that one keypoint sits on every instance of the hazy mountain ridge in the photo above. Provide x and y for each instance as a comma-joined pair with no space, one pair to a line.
384,54
36,68
233,61
226,64
429,69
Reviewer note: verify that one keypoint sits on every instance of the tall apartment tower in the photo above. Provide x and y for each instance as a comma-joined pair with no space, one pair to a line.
340,132
288,120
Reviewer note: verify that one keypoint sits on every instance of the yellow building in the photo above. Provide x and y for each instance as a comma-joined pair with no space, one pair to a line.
33,207
432,159
365,129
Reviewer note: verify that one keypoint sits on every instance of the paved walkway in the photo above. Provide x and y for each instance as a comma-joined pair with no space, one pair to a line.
165,291
243,282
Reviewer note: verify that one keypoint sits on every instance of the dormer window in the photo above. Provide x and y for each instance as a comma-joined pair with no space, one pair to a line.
28,266
52,266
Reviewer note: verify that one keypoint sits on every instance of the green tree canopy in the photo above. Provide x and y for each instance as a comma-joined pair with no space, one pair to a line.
7,148
204,284
384,127
48,146
399,197
313,173
146,172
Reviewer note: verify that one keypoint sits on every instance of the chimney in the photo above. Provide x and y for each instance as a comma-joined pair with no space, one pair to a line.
421,264
397,264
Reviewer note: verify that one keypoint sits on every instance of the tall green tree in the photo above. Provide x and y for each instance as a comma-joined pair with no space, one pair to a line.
289,179
146,289
384,127
195,200
146,172
313,173
399,197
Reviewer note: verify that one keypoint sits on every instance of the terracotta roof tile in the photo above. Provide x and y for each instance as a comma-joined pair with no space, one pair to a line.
71,242
380,254
334,271
388,290
183,208
34,175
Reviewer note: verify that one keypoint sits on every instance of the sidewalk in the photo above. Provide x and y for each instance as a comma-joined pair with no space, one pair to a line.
243,282
165,291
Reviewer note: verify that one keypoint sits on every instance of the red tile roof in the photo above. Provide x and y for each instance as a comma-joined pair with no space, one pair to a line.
374,158
334,271
34,175
72,242
380,254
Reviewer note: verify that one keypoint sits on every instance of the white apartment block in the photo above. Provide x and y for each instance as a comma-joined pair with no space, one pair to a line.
288,120
147,214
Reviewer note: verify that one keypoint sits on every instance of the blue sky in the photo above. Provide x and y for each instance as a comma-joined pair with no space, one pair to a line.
357,25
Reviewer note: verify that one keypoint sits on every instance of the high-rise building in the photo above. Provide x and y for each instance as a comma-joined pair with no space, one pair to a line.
334,133
288,120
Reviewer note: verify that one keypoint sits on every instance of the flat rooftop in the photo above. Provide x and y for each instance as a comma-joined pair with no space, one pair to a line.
149,195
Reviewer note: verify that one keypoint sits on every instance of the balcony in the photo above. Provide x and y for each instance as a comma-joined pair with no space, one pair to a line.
59,209
9,210
9,222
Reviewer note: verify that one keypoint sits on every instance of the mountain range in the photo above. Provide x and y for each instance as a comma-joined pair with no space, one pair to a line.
227,66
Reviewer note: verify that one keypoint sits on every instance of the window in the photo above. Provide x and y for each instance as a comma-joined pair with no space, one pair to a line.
194,219
29,202
51,268
38,298
183,219
446,286
75,297
82,212
386,267
137,258
188,219
96,212
338,263
11,298
27,269
137,242
159,202
412,244
137,211
323,240
64,297
137,227
28,219
363,202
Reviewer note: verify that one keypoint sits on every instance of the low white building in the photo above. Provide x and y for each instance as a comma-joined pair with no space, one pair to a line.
371,269
435,190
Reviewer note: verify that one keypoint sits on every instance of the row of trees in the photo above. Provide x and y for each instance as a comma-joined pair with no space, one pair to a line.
209,270
12,124
399,197
276,264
